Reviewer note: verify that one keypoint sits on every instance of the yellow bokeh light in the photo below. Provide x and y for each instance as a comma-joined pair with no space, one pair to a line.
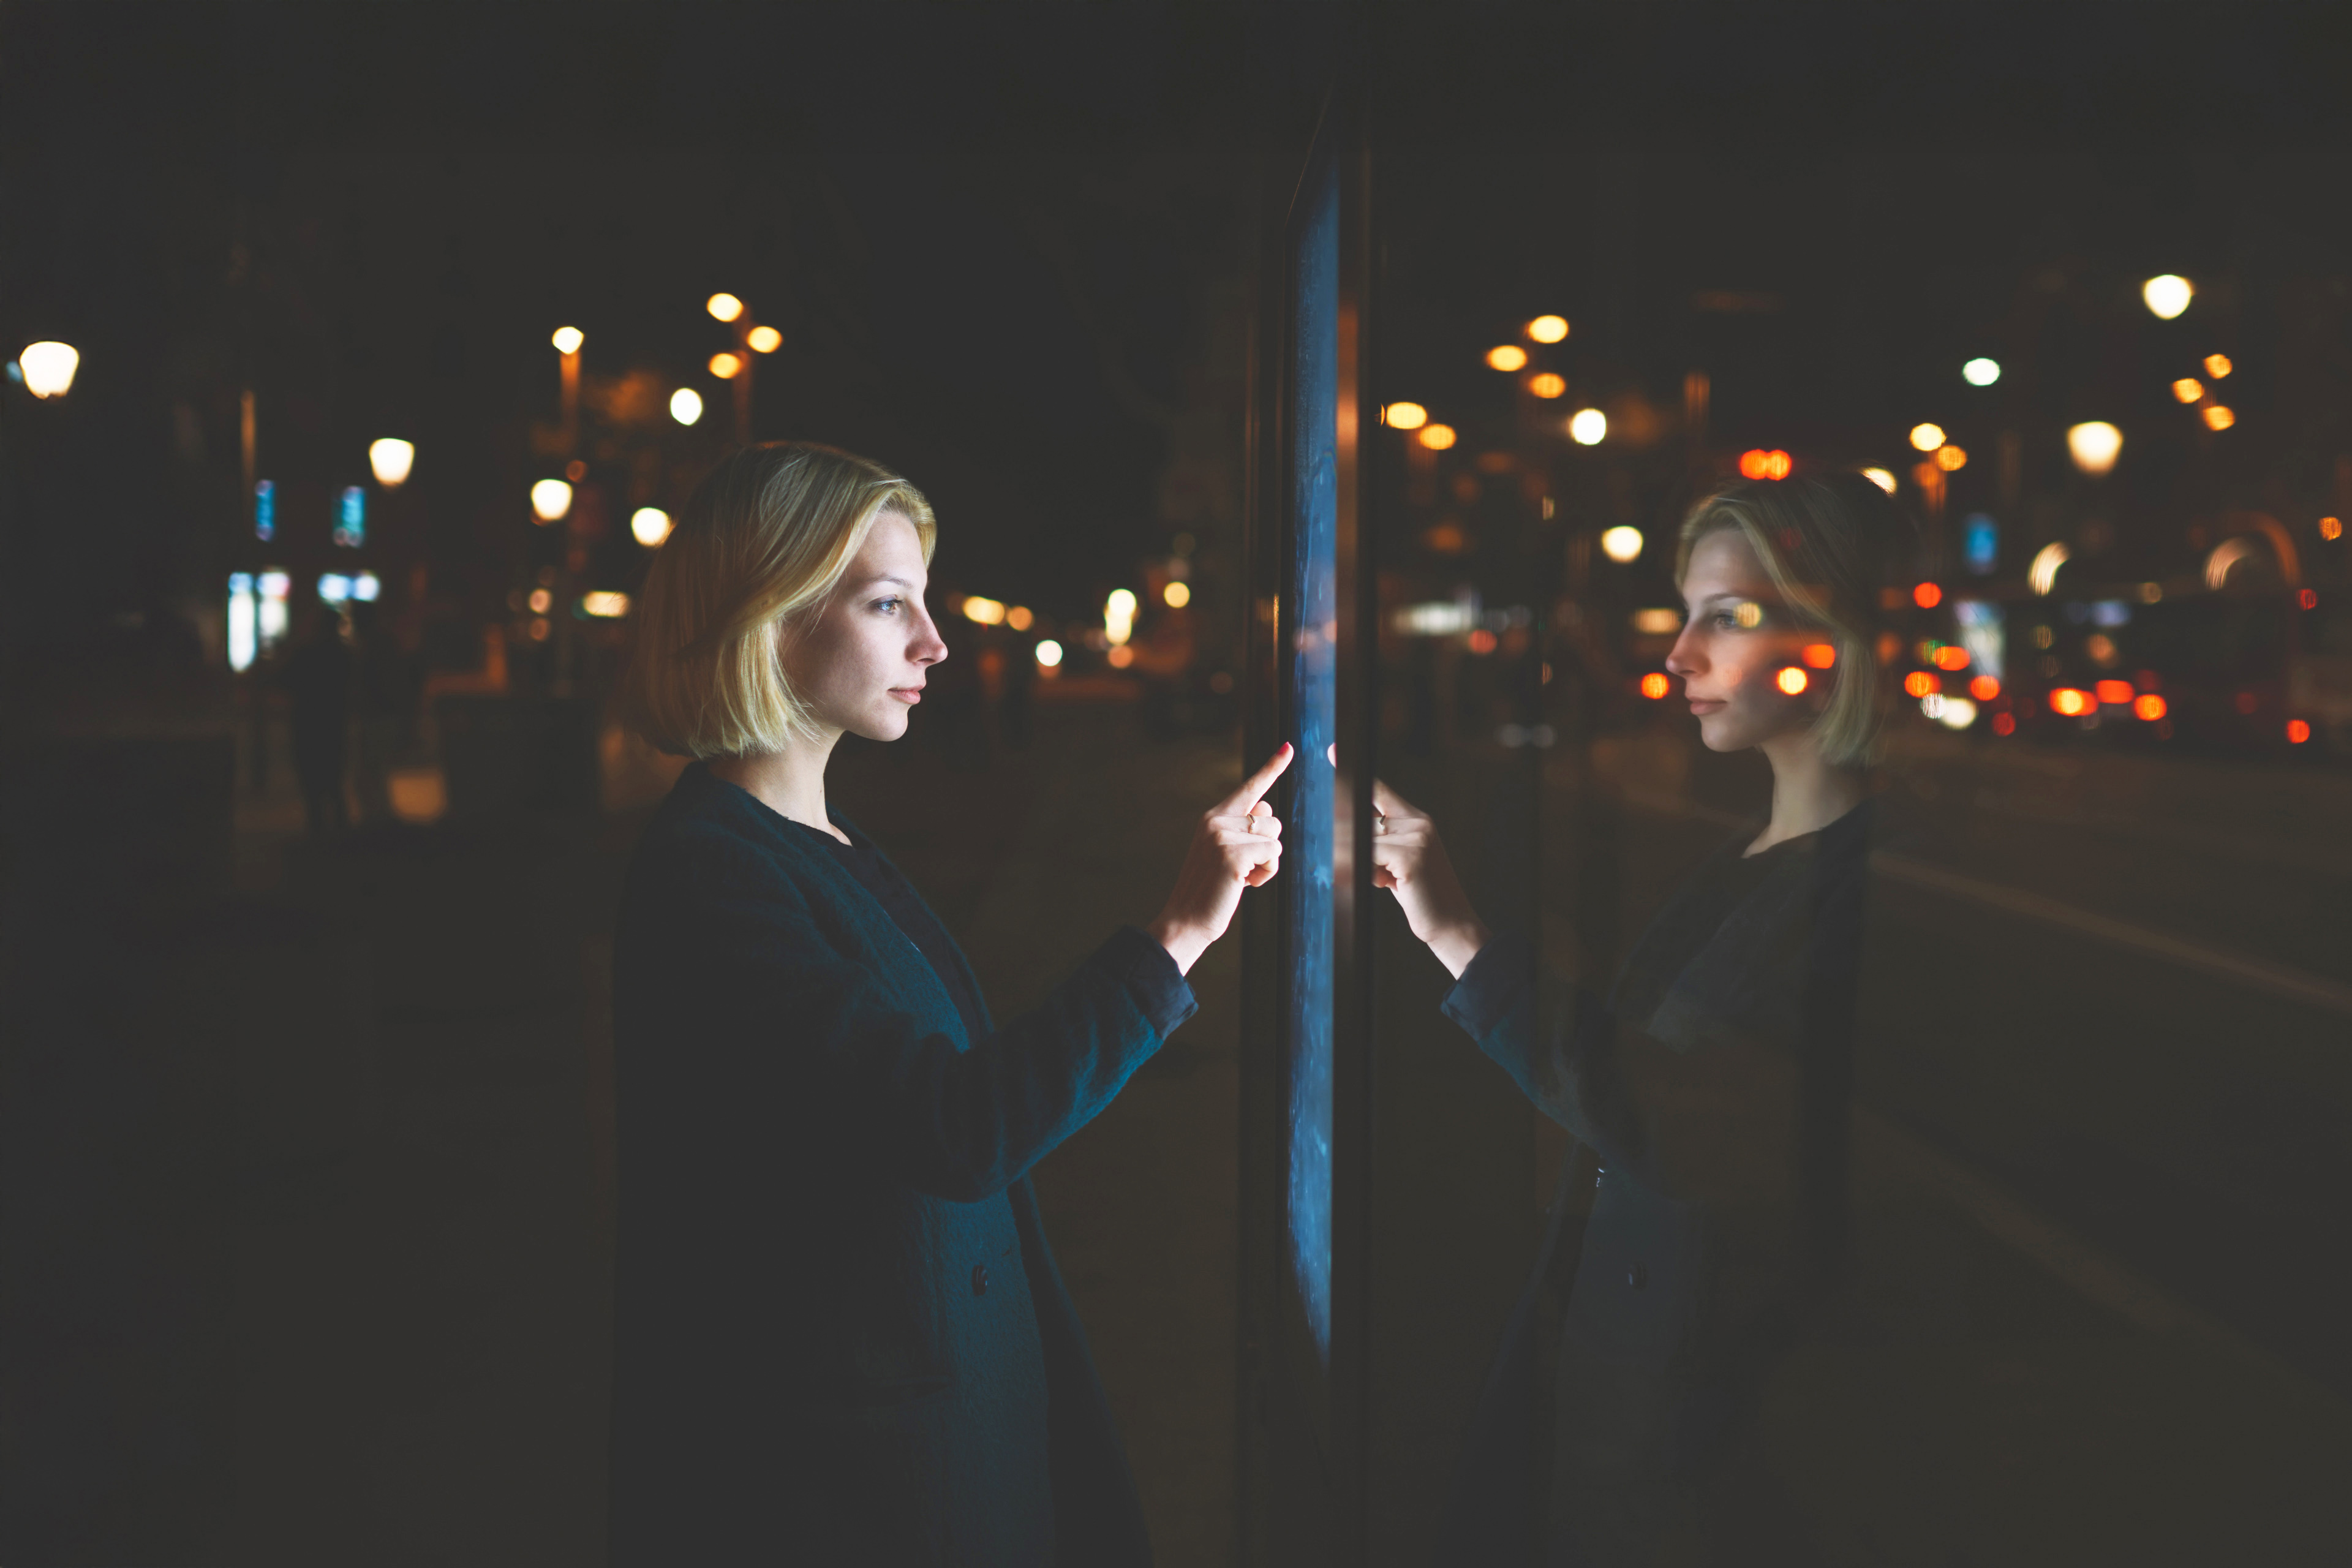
567,340
2166,295
2218,365
1507,356
2188,389
649,526
2094,444
541,600
1926,437
1120,656
2331,528
392,459
1177,595
1547,384
726,306
983,612
1881,478
686,406
1790,679
1437,438
48,368
1049,653
1548,329
1622,544
1407,416
726,367
549,499
1586,427
764,340
1019,617
1952,458
605,606
2218,418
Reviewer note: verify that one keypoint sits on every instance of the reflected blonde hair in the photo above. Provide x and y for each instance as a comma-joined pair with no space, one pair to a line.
765,538
1831,547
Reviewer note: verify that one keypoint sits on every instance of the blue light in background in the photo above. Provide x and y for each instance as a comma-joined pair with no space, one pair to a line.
1980,543
265,511
351,531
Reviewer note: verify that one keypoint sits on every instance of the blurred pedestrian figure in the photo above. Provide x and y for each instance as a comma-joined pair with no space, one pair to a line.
383,703
318,676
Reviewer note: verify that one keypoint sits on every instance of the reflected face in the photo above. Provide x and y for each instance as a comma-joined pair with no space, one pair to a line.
860,663
1738,638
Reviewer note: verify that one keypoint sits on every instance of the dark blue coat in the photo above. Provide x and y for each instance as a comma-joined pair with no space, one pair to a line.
839,1335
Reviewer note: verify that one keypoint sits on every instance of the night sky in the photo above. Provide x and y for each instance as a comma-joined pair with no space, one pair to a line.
1006,244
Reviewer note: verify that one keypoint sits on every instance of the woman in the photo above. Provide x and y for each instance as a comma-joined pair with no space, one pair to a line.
1708,1085
840,1336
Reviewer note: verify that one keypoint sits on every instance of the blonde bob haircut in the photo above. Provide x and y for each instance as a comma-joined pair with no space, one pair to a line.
1831,546
763,541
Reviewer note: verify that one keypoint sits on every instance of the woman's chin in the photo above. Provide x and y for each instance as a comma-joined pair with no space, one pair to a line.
885,725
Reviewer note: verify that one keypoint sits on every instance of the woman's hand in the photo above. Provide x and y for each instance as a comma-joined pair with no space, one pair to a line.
1408,859
1237,845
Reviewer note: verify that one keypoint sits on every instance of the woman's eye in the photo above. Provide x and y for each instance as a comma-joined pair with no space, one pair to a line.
888,607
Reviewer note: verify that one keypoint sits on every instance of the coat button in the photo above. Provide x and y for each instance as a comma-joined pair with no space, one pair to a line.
1637,1276
980,1279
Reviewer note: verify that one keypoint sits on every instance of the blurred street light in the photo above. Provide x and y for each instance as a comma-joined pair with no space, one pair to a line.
1437,438
764,340
1548,329
750,338
48,368
1118,617
1548,385
1622,544
1507,356
1950,458
1882,477
1406,416
724,307
1926,437
1980,371
726,367
686,406
550,500
2094,445
983,612
2166,295
607,607
2218,365
1049,653
1586,427
1760,463
2043,575
2188,389
2217,418
650,524
567,341
390,458
1178,596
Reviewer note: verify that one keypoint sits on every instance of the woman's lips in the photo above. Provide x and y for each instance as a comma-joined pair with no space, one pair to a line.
1702,706
907,694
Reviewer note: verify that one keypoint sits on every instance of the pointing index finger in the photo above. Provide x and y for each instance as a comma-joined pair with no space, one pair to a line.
1390,803
1239,803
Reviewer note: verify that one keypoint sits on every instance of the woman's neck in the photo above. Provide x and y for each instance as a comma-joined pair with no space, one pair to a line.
789,783
1807,793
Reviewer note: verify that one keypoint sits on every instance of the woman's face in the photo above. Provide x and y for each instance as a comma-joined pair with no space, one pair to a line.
860,662
1738,638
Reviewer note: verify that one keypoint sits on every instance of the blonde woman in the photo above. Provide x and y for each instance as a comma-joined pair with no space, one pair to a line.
840,1336
1706,1089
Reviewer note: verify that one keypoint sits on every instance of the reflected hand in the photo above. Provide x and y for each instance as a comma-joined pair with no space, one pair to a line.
1237,845
1409,860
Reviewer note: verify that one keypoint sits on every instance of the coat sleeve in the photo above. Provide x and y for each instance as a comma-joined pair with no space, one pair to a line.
1696,1117
852,1069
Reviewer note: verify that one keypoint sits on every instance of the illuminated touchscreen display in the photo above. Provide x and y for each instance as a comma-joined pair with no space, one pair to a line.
1309,654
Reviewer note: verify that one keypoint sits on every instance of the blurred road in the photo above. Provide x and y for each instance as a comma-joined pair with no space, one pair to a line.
2107,1024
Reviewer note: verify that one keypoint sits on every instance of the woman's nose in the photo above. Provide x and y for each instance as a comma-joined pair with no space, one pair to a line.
1682,657
929,647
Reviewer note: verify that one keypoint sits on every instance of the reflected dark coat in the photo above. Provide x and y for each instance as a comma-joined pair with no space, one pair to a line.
1710,1091
839,1334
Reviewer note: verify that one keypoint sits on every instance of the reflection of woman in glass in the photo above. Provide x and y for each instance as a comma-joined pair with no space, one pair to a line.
840,1337
1708,1083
